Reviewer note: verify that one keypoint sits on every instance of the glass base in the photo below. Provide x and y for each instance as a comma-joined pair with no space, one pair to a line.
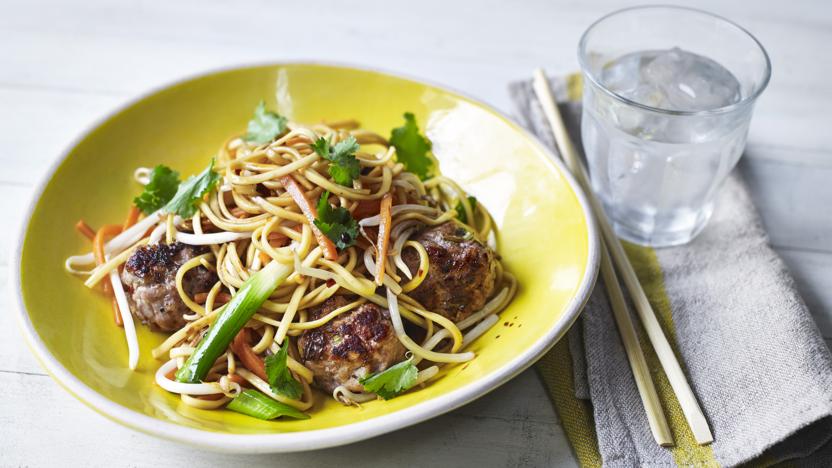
682,231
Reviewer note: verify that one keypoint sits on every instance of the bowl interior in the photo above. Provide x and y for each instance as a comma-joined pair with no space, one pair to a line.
544,236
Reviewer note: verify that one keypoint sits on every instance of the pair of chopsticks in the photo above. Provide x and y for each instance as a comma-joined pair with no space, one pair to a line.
612,251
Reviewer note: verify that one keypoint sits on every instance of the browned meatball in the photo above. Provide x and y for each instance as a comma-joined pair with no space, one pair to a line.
351,346
149,279
461,275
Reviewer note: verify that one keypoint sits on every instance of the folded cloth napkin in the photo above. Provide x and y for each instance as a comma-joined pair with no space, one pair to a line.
752,353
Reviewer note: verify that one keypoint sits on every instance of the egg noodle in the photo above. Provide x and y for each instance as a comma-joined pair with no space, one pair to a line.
253,217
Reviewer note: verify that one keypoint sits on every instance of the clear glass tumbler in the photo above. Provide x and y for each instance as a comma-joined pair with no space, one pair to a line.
668,96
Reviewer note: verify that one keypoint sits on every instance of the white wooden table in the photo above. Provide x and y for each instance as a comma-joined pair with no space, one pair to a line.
64,64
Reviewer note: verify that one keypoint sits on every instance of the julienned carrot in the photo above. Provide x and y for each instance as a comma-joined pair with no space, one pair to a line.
383,240
106,231
264,258
238,212
311,213
132,217
365,209
277,239
241,347
117,313
149,231
85,229
215,397
221,298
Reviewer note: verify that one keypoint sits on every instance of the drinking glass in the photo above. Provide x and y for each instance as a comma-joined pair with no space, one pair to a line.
668,97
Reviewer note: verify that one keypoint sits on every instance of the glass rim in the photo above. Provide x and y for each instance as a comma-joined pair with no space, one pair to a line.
718,110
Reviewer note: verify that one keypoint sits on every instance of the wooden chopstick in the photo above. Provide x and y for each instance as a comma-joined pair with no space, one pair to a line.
635,355
638,363
678,382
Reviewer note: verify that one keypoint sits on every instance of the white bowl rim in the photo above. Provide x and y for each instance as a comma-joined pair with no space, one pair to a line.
318,438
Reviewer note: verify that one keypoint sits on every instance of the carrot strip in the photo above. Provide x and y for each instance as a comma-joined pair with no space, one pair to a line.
383,240
149,231
117,313
215,397
132,217
241,347
311,213
85,229
220,298
106,231
264,259
238,212
277,239
365,209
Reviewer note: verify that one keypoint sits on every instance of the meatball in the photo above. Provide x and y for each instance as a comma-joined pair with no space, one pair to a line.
461,275
149,279
351,346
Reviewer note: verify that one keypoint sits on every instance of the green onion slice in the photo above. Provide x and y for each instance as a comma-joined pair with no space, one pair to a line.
260,406
232,319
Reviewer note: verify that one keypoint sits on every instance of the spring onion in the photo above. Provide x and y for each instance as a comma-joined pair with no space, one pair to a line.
255,404
233,318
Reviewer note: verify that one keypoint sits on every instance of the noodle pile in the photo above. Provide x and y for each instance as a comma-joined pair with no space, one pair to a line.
247,227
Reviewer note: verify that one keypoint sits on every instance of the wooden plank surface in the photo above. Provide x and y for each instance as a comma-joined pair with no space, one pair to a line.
65,64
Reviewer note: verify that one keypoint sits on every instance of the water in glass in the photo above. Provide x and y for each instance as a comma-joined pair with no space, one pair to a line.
657,172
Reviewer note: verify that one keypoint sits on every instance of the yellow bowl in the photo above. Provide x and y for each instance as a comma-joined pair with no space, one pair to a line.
546,239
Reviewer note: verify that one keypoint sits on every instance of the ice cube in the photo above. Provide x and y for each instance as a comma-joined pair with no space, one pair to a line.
690,82
672,79
621,76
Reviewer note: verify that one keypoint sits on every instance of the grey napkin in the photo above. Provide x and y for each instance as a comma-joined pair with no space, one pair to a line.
752,353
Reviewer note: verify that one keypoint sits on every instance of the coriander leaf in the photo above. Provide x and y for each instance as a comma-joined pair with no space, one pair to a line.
345,148
393,381
280,378
336,223
344,172
460,210
344,166
412,148
190,192
161,188
265,126
321,146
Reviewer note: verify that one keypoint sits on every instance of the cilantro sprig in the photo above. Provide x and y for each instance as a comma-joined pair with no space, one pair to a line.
190,192
280,378
159,190
336,223
393,381
412,148
265,126
460,209
343,167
